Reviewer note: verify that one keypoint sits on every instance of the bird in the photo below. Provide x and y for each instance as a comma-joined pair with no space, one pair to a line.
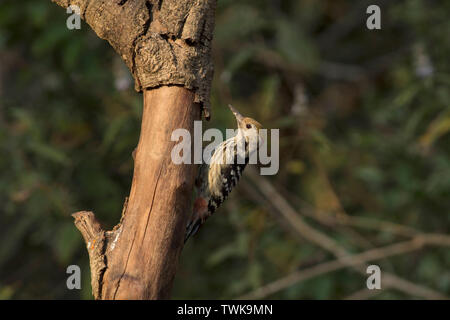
215,180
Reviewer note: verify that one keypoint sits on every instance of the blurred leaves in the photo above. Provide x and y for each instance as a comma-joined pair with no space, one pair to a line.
364,132
437,128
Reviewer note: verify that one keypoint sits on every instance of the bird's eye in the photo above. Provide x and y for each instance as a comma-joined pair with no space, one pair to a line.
249,126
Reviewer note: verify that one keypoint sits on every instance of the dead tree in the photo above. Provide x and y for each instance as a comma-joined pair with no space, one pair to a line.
166,44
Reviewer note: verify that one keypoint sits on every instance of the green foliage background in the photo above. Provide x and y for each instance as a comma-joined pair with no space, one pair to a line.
364,124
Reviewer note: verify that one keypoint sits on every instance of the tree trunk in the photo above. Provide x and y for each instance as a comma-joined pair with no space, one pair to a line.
166,45
143,263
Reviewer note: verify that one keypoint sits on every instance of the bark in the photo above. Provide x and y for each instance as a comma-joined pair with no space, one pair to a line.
167,46
163,42
138,258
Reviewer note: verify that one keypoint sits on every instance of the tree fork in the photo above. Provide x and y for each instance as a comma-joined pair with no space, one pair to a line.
166,44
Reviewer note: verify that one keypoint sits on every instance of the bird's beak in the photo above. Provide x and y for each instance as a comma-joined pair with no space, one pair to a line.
236,113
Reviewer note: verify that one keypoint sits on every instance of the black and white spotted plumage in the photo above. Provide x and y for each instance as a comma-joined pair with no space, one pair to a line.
217,179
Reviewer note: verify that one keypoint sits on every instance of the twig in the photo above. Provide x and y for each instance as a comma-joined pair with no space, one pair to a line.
363,294
352,261
327,218
327,243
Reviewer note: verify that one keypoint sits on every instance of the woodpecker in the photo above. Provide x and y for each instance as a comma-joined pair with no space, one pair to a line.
216,180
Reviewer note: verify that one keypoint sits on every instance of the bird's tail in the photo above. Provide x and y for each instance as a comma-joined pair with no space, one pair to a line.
200,213
192,228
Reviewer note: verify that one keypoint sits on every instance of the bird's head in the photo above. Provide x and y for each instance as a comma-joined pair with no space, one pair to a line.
247,127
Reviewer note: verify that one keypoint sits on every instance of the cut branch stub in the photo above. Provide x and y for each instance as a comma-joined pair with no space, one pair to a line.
94,237
163,42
